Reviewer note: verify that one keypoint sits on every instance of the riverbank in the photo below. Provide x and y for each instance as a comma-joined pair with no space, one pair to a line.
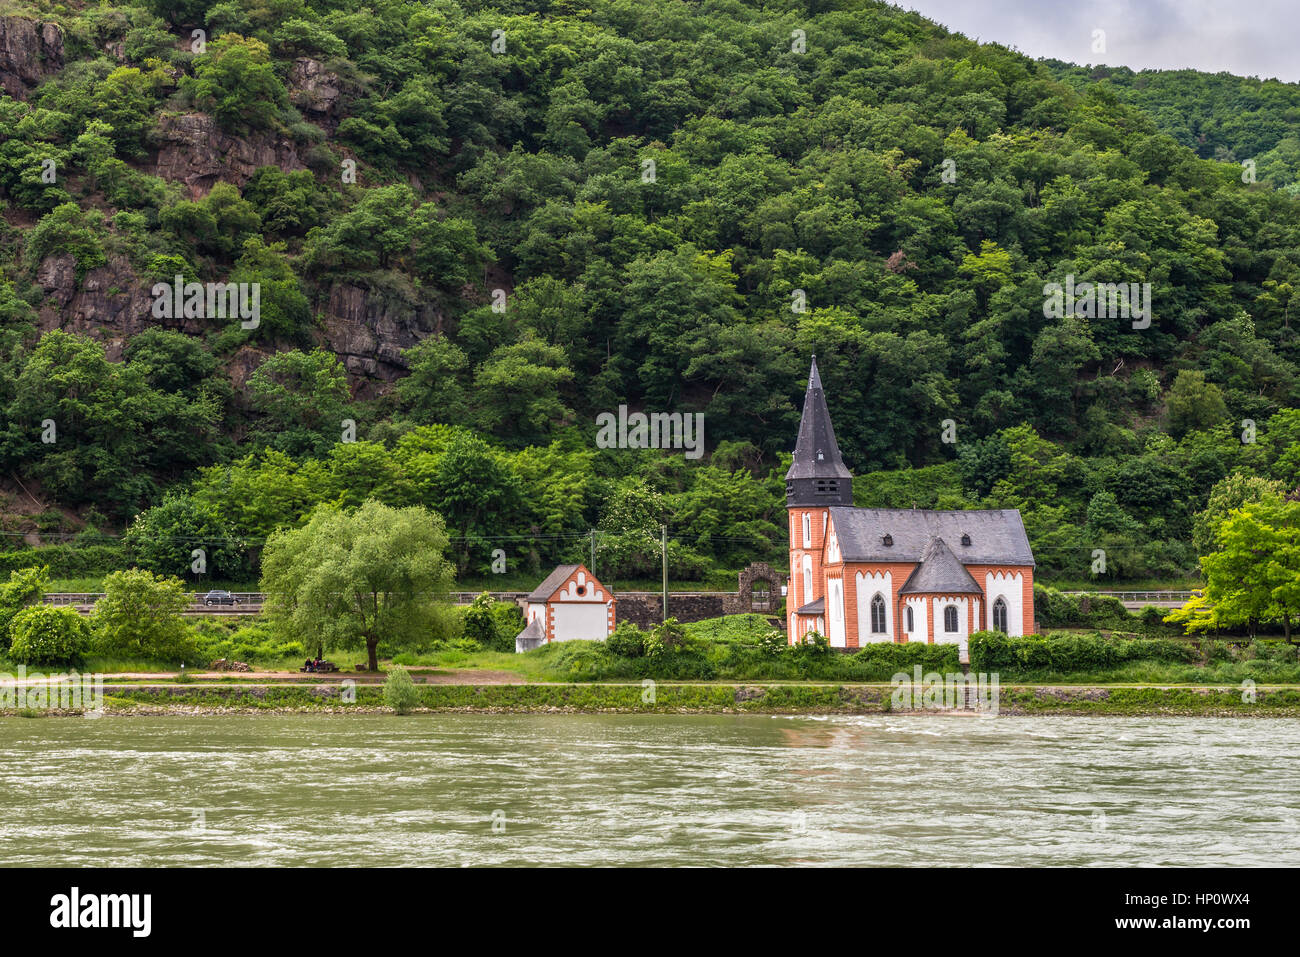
662,698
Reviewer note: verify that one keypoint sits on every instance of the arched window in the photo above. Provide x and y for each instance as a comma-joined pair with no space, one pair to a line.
950,618
878,615
911,626
807,530
1000,615
807,579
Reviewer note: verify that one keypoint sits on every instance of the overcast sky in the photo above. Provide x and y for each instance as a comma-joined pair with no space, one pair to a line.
1247,37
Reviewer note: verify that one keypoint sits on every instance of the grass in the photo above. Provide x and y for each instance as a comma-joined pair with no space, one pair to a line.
711,698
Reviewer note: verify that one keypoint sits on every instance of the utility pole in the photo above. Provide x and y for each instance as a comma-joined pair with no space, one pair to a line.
593,551
663,548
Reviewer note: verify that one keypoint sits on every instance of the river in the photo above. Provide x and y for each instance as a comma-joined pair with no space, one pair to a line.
474,790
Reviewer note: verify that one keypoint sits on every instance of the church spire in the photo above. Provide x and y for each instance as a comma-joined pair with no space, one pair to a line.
818,475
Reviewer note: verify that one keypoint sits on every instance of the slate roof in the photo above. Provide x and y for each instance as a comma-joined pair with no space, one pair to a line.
997,536
816,437
940,572
531,636
551,583
817,607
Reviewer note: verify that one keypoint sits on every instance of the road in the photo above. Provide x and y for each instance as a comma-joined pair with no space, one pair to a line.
250,603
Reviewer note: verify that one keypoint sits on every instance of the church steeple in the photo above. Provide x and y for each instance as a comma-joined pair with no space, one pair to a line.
818,475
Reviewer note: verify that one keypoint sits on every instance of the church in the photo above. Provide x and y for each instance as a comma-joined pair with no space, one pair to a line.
860,575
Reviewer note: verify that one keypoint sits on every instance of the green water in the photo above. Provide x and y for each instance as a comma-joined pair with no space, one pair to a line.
648,790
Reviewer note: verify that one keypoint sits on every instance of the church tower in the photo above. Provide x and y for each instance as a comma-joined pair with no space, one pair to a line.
816,480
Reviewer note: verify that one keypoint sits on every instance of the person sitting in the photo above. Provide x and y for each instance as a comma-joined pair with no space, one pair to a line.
306,665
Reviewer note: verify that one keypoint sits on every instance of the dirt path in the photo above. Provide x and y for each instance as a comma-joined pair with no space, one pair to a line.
451,676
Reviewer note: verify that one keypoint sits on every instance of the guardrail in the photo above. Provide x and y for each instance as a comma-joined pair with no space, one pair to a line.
1140,595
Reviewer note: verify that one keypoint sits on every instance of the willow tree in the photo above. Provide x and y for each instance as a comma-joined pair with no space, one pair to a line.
356,578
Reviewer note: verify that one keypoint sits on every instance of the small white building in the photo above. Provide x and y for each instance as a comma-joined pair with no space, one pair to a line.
570,605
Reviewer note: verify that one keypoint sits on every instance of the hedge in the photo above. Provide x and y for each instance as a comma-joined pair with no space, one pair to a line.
67,561
992,651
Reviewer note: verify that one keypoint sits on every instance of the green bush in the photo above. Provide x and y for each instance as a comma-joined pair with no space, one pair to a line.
627,641
492,624
400,692
43,634
993,651
66,561
254,644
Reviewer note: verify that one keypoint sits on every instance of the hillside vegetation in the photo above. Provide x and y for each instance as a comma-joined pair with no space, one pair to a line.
477,226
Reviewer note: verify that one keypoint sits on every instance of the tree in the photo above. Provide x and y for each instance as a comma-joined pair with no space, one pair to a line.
139,616
25,587
432,391
237,82
1254,574
302,400
1195,404
163,539
1230,493
517,391
362,577
473,484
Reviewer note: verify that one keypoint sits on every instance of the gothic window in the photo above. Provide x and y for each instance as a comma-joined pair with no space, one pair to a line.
878,615
807,579
1000,616
911,625
807,530
950,618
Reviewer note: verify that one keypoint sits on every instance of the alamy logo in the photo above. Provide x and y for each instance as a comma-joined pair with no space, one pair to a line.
932,691
103,910
1101,300
68,691
658,430
209,300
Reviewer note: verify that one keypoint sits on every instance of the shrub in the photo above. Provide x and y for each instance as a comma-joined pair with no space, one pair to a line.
493,624
773,643
43,634
992,651
66,561
400,692
627,641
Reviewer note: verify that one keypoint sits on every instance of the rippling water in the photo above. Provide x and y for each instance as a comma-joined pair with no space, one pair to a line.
648,790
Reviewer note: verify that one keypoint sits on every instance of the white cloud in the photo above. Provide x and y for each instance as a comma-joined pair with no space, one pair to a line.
1250,38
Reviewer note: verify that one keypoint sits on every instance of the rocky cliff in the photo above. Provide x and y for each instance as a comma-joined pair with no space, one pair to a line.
29,52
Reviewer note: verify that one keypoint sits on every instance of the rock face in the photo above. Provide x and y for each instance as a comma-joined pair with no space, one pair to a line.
368,329
194,150
313,89
29,52
111,304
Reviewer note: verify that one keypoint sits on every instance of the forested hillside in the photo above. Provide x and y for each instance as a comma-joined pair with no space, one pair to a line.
477,226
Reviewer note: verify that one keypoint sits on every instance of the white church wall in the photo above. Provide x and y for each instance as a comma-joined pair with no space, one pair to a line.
920,630
835,611
1011,589
866,585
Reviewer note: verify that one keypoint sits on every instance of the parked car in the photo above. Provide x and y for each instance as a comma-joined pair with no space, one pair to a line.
216,597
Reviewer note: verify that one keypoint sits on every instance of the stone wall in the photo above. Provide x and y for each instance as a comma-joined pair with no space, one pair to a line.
645,609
